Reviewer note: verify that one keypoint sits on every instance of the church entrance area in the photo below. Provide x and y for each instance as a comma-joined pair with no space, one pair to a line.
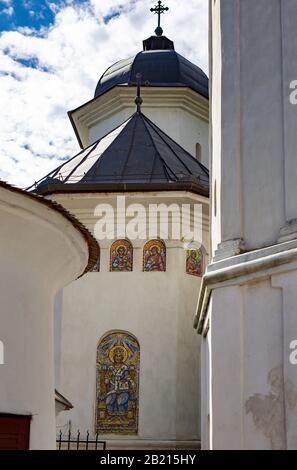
14,432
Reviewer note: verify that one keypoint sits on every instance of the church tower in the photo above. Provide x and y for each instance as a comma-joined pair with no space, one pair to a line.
126,352
174,92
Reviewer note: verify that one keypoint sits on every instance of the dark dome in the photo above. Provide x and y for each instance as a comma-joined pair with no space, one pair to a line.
160,68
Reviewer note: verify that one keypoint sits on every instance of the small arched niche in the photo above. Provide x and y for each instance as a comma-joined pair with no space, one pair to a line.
195,261
154,256
121,256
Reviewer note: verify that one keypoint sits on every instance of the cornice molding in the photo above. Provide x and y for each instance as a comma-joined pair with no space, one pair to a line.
256,265
121,98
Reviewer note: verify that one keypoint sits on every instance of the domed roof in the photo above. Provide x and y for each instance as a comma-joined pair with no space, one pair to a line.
159,65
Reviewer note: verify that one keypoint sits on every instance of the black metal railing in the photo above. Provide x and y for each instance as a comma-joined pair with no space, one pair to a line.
69,442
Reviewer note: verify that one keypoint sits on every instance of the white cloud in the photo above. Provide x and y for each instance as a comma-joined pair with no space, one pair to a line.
7,11
35,133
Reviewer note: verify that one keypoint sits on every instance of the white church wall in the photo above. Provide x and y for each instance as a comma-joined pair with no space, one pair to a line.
40,252
261,119
286,285
248,296
215,135
157,308
205,389
168,404
57,334
257,365
258,127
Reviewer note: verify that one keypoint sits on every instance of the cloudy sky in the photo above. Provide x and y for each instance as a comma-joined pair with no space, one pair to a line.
52,53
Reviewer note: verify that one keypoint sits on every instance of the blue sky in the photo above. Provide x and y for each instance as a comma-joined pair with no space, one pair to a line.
52,53
37,14
31,13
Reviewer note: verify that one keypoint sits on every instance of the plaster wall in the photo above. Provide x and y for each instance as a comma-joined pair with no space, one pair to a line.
155,307
247,306
253,158
40,252
254,386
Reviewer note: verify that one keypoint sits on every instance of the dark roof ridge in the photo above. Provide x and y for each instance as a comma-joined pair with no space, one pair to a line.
179,159
157,151
112,65
93,145
85,157
132,142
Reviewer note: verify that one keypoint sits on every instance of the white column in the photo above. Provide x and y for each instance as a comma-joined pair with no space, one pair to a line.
287,283
248,294
289,71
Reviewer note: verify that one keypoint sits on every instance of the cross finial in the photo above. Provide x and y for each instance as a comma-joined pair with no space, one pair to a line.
138,99
159,10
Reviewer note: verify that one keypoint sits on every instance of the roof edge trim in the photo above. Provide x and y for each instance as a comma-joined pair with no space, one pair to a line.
92,243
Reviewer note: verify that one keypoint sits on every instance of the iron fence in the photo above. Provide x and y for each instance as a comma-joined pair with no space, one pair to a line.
69,442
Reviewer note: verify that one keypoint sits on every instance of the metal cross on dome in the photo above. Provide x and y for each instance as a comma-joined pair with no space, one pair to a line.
138,99
159,10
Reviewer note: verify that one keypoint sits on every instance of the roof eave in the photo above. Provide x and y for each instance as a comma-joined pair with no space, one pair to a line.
62,400
191,186
93,246
71,113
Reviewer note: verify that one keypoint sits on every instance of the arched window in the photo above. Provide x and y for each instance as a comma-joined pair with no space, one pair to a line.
154,256
118,358
96,267
198,152
121,256
195,262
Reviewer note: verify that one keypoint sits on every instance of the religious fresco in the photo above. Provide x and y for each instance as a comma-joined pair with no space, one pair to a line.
154,256
121,256
118,356
194,262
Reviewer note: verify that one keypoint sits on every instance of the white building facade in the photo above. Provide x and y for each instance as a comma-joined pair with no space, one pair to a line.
154,157
42,249
247,306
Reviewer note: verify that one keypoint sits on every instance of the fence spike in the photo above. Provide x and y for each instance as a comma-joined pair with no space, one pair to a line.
87,442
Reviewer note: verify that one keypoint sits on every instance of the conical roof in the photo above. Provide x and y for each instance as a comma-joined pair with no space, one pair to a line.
137,155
